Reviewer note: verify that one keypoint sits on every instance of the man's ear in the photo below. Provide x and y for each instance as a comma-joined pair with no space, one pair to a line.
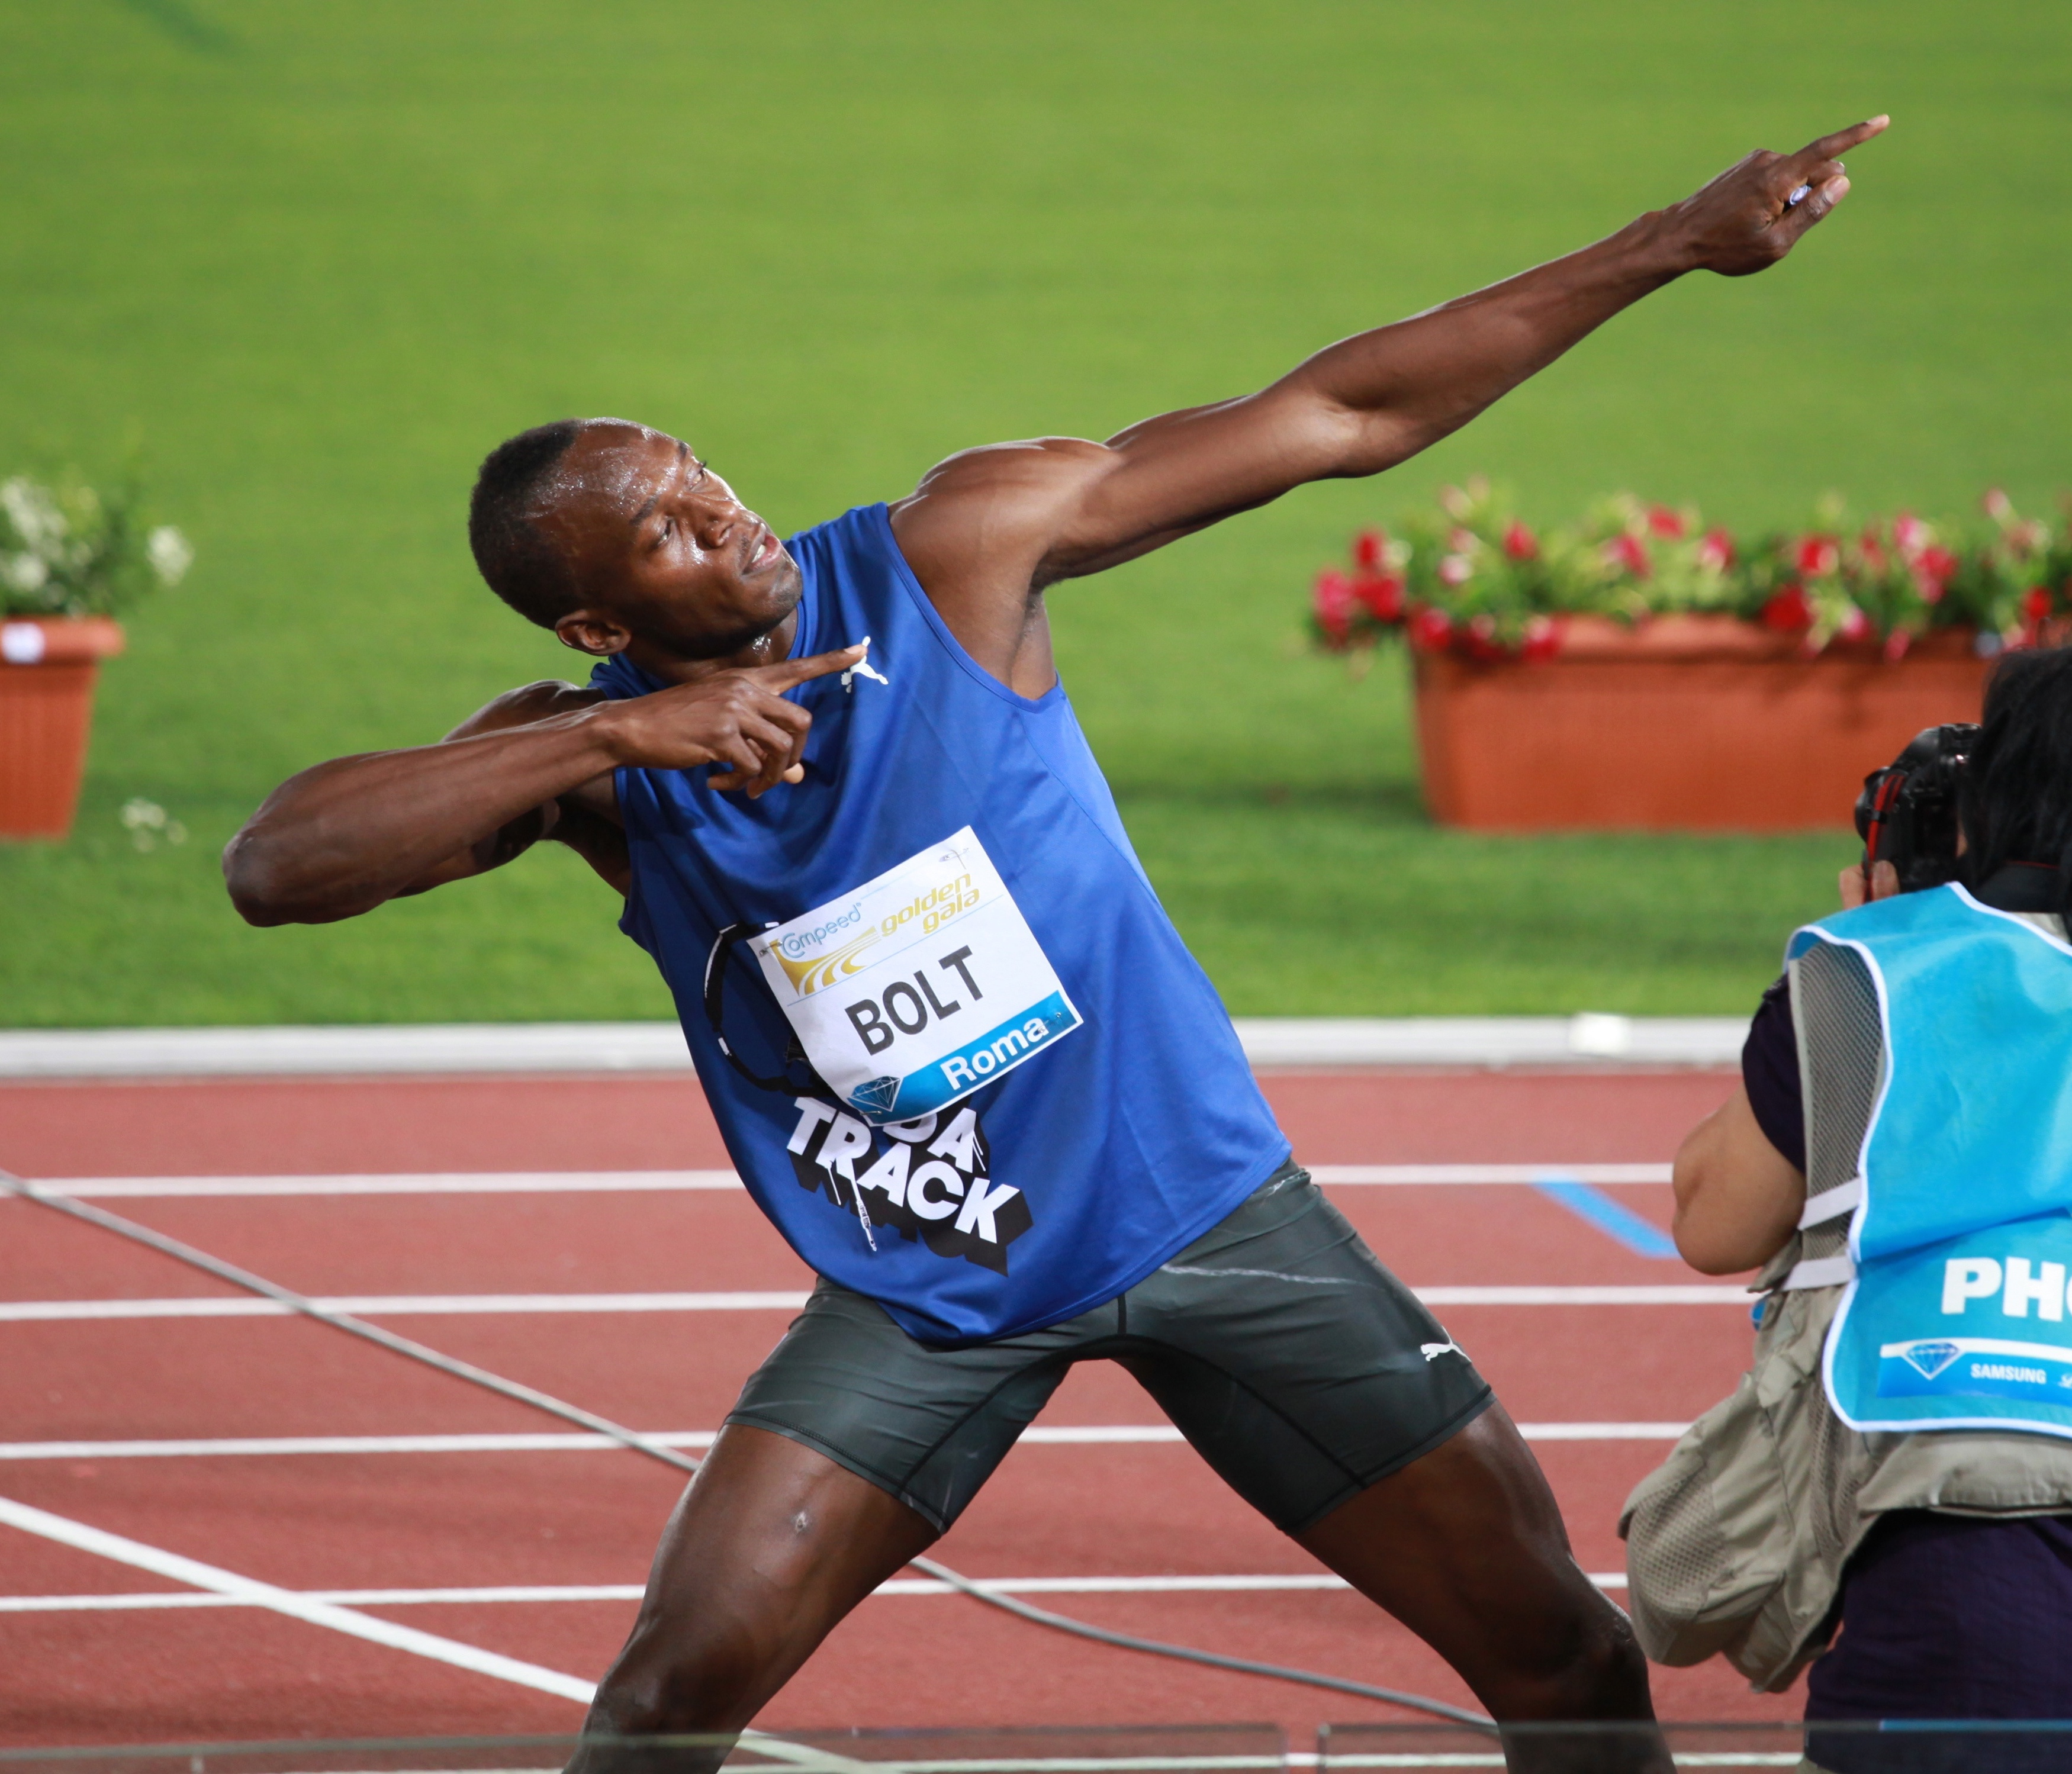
588,632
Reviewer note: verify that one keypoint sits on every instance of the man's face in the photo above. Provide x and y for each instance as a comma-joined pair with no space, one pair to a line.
665,554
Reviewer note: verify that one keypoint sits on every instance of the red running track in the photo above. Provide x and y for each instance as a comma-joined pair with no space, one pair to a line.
415,1522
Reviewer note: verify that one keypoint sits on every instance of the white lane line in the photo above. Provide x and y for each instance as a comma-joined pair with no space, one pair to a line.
1406,1174
428,1305
1274,1582
585,1182
229,1587
1065,1435
543,1182
248,1591
1673,1294
399,1305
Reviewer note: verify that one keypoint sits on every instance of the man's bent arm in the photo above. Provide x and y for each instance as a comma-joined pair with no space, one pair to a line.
342,838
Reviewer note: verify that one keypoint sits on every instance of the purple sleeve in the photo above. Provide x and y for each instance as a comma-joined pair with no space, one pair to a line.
1770,1070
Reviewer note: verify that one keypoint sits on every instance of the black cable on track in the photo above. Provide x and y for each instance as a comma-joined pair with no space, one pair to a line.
670,1456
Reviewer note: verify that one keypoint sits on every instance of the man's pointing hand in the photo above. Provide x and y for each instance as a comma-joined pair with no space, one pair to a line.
1745,220
737,717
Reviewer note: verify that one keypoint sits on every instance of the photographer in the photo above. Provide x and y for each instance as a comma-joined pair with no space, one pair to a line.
1888,1489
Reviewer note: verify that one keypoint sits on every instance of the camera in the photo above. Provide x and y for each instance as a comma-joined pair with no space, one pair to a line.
1907,813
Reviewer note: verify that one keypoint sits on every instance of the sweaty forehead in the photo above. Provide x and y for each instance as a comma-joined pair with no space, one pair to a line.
620,466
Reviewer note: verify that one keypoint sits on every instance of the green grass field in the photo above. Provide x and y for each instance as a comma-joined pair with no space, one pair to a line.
321,258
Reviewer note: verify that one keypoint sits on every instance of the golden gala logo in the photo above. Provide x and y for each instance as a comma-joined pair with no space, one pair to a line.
813,971
935,908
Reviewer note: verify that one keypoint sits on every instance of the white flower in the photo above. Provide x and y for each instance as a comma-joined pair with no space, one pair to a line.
24,572
33,512
1455,569
170,554
148,826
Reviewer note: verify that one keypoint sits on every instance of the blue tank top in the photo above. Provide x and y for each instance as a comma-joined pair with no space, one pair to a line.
1060,1155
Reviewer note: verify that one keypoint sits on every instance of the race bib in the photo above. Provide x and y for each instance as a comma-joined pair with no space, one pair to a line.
919,986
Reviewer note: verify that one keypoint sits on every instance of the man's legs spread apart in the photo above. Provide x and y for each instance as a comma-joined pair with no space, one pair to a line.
770,1545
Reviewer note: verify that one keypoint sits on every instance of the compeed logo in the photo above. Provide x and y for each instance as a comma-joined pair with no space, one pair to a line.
816,972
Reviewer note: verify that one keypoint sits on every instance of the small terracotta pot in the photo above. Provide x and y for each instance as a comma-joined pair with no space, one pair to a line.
48,666
1695,723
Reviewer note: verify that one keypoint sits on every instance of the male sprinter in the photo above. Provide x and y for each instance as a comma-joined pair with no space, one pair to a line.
966,1066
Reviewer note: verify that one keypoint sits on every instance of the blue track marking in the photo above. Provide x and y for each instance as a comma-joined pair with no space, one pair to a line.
1613,1218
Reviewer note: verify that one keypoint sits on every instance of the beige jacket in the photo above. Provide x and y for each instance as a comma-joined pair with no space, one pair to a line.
1736,1544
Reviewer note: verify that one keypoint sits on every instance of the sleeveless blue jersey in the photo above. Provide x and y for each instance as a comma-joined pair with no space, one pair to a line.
1132,1124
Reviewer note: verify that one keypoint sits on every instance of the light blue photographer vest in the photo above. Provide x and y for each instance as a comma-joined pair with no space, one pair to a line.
1960,1230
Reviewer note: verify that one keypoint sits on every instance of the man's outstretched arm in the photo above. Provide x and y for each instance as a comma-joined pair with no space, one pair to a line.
988,528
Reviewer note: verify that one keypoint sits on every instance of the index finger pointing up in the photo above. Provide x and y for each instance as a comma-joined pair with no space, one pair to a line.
1842,139
788,673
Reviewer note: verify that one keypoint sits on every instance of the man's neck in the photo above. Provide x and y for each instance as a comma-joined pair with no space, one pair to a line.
771,647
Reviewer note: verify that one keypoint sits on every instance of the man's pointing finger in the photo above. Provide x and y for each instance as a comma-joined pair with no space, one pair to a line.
1828,147
788,673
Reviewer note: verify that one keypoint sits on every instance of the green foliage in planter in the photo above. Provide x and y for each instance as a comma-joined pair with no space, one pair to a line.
1469,574
67,549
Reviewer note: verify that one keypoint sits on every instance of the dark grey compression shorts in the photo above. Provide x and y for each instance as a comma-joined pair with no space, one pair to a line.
1299,1367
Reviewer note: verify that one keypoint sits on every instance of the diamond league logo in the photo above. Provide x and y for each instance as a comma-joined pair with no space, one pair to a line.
1929,1359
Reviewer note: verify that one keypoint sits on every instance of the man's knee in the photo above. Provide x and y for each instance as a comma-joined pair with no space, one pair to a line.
1585,1665
677,1676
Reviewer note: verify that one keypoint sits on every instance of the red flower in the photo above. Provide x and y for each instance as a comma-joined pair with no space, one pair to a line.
1664,523
1716,551
1895,644
1789,610
1481,638
1818,556
1856,626
1371,548
1909,534
1455,569
1333,605
1519,542
1543,638
2035,604
1382,593
1626,551
1932,573
1430,629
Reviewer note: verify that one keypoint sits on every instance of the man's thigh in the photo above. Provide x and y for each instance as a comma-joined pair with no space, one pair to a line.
1299,1367
928,1426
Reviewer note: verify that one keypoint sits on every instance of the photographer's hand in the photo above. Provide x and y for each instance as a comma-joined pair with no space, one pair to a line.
1884,884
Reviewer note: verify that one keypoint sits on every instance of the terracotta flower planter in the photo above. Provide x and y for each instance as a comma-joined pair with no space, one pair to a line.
48,667
1686,722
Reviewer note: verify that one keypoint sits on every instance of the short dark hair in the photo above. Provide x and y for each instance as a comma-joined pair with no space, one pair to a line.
520,562
2015,798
